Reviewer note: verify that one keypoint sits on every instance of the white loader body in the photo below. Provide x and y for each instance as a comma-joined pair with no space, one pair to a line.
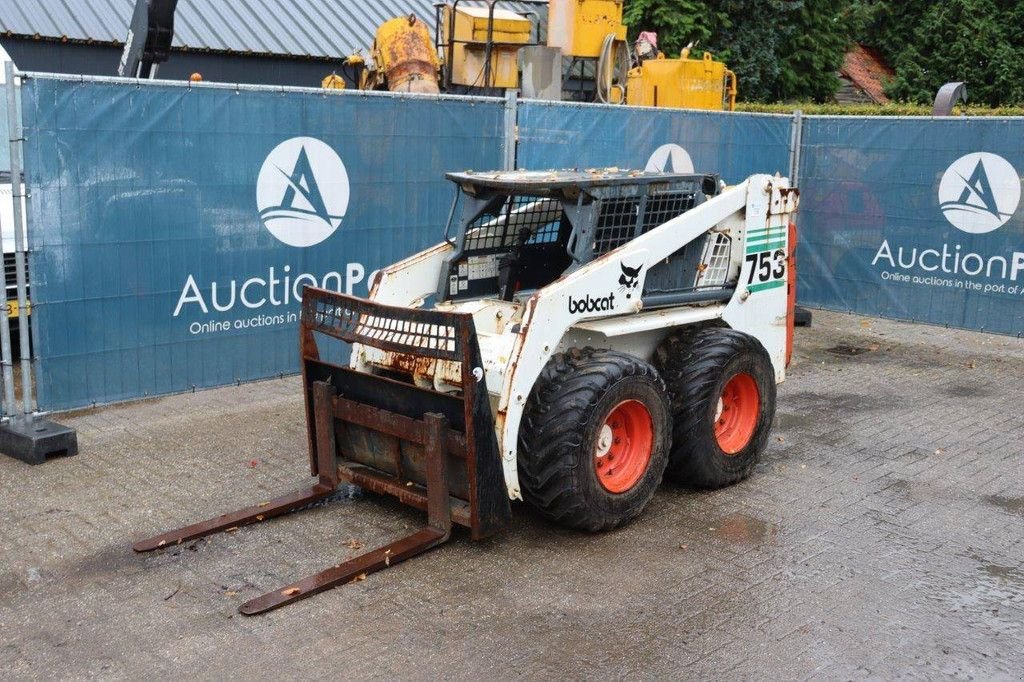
601,303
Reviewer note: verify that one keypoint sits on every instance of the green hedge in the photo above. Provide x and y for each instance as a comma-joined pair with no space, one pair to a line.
809,108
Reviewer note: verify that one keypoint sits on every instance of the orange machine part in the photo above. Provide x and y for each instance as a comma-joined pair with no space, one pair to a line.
739,410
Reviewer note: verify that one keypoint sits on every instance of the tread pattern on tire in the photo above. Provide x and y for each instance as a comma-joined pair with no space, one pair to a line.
692,364
551,438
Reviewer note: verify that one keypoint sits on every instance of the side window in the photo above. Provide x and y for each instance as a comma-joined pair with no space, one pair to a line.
494,238
547,233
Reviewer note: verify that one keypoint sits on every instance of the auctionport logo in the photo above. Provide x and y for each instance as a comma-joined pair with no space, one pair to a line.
979,193
670,158
302,191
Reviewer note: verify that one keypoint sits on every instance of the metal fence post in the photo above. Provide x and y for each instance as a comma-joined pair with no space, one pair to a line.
20,239
25,436
796,141
6,356
802,316
511,132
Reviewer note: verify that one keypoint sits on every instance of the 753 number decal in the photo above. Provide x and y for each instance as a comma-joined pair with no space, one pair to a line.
766,266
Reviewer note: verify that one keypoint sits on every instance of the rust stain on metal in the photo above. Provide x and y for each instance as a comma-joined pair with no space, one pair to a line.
422,367
409,363
783,200
407,56
450,372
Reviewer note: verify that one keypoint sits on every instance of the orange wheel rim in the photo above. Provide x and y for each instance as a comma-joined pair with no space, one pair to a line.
623,449
738,411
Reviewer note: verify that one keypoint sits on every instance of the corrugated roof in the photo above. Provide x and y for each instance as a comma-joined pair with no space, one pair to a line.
316,28
867,70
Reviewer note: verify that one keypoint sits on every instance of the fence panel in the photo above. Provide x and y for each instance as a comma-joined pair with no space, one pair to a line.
566,135
915,219
172,228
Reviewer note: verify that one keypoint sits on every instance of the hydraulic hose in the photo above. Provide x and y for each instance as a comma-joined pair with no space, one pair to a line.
605,76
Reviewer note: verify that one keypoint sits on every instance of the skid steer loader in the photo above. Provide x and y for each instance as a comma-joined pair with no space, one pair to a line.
575,336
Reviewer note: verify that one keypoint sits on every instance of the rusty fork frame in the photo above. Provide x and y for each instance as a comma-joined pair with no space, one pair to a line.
329,409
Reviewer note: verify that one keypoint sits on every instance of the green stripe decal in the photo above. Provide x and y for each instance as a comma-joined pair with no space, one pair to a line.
766,285
770,246
766,235
763,230
772,239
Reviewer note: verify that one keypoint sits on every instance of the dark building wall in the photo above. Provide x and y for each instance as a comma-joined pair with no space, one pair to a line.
102,60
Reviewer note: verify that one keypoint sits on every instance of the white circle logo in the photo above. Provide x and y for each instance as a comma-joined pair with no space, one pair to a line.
670,158
979,192
302,191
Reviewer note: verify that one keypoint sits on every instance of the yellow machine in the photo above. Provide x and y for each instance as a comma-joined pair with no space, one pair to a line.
481,52
479,48
333,82
579,27
405,57
682,83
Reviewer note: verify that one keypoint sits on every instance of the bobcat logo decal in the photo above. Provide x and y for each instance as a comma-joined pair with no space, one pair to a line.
629,278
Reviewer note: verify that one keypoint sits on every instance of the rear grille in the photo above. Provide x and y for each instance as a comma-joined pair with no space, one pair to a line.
715,261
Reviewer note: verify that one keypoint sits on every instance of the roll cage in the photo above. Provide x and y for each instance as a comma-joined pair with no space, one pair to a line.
517,231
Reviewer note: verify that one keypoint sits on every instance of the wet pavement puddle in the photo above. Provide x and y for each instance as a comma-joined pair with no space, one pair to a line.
1014,505
992,598
740,528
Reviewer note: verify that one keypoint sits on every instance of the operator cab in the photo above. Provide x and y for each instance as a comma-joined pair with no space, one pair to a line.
514,232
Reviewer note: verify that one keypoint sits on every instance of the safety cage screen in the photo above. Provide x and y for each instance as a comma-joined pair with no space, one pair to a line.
515,240
622,219
502,228
520,233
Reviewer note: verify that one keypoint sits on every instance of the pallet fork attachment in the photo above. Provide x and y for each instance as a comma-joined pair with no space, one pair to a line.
433,451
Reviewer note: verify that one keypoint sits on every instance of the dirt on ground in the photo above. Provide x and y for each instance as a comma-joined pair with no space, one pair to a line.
880,537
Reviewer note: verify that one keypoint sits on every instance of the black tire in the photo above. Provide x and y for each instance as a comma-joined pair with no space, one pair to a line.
562,423
696,368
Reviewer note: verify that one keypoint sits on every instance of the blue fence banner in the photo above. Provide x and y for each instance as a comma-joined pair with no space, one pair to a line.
914,219
173,228
567,135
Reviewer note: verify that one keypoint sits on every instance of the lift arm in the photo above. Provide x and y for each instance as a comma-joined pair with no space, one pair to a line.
149,38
